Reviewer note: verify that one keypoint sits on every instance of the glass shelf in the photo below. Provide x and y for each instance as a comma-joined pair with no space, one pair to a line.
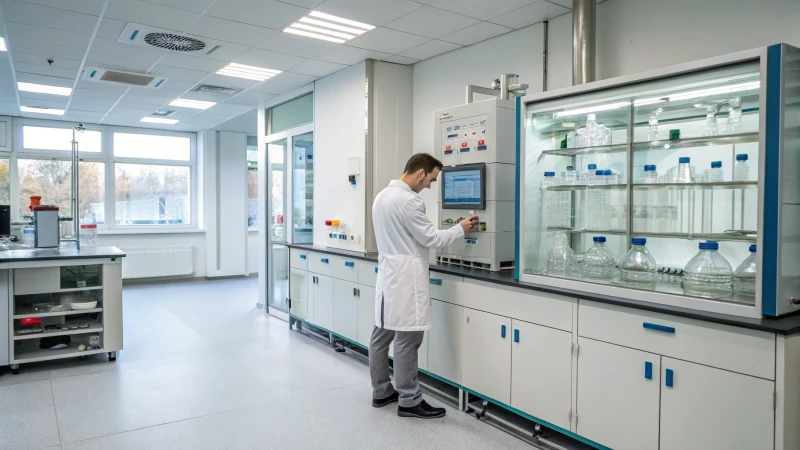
585,187
734,237
719,185
587,231
707,141
614,148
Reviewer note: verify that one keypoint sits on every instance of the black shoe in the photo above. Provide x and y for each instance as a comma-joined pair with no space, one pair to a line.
421,411
381,402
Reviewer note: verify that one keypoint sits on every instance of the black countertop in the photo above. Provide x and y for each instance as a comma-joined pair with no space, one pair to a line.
50,254
783,325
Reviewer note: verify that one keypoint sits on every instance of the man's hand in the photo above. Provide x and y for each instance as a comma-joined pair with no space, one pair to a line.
468,223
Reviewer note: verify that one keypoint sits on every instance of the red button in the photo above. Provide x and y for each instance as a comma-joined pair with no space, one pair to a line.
481,142
464,144
448,148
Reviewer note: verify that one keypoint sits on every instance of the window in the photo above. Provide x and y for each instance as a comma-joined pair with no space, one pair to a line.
128,177
291,114
252,182
52,180
45,138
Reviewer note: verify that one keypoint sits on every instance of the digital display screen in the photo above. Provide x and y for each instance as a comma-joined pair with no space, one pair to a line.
463,187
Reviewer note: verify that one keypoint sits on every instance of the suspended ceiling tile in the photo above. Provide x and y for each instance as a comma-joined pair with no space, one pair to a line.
387,41
372,12
196,6
176,73
271,87
344,54
251,98
230,31
44,79
185,61
92,7
291,79
88,107
224,51
117,62
206,97
225,81
46,50
31,14
8,95
83,115
5,64
263,13
33,33
291,44
317,68
568,3
429,50
481,9
163,92
51,71
150,14
110,47
29,58
111,28
145,99
529,15
41,100
269,60
133,107
476,33
176,85
102,89
305,3
431,22
397,59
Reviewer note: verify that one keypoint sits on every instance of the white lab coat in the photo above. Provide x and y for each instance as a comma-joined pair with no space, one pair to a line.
404,234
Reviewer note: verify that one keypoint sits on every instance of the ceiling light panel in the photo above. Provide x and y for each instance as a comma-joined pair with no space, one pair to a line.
41,110
3,47
159,120
194,104
248,72
326,27
44,89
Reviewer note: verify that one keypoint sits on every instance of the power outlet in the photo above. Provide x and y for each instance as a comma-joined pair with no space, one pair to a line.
355,238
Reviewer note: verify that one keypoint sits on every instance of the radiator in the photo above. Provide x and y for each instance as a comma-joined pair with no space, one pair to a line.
153,262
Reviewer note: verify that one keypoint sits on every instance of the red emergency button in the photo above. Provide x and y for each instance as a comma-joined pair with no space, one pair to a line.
481,142
449,147
464,144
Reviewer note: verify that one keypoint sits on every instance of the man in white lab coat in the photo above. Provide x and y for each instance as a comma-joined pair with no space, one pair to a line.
402,303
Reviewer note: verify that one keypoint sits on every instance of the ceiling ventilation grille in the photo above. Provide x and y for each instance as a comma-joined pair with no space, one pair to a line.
219,90
102,75
163,113
175,42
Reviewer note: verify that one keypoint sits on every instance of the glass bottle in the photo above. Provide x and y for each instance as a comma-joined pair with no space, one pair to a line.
744,278
708,274
591,130
741,171
735,116
561,257
599,263
716,175
571,176
652,129
711,122
650,174
684,174
638,267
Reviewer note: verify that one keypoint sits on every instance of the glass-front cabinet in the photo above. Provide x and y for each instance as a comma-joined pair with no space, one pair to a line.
677,187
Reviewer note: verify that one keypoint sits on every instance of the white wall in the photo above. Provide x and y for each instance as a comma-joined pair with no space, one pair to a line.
632,36
196,239
339,124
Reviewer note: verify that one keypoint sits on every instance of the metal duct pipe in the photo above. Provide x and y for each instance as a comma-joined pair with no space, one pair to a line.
544,55
584,30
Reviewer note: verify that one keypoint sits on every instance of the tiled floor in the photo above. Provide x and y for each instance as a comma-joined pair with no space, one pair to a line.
203,369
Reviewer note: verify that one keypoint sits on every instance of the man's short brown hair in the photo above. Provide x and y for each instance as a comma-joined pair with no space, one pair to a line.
423,161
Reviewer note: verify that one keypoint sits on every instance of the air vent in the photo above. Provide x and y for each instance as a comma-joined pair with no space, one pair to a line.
163,113
102,75
219,90
146,36
175,42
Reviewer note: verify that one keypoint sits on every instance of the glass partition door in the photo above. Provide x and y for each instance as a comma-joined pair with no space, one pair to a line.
277,250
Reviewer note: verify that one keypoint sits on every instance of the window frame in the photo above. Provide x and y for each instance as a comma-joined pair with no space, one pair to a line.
105,156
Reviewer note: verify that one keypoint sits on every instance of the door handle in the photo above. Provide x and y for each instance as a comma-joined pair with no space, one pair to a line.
648,370
661,328
503,331
349,264
436,281
303,257
670,378
324,260
516,336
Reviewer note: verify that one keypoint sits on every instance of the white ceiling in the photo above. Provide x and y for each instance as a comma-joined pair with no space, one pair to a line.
80,33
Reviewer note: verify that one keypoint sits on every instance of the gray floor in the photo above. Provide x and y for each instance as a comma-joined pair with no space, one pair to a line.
203,369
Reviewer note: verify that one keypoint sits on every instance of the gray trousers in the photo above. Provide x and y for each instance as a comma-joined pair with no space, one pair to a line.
406,345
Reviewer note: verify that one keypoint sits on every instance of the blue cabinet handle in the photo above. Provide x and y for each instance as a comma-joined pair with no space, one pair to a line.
436,281
670,378
349,264
516,335
324,260
503,331
661,328
303,256
376,270
648,370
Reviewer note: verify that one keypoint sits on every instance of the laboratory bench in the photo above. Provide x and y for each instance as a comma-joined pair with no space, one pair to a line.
610,372
59,303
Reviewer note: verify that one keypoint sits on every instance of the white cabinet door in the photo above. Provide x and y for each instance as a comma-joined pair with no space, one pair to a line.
444,341
366,314
541,372
298,292
323,301
704,407
618,390
486,354
345,308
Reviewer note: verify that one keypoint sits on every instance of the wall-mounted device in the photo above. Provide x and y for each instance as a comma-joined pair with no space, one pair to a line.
47,232
5,220
353,168
477,144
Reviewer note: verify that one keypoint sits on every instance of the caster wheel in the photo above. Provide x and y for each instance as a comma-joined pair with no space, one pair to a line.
112,358
340,350
15,371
